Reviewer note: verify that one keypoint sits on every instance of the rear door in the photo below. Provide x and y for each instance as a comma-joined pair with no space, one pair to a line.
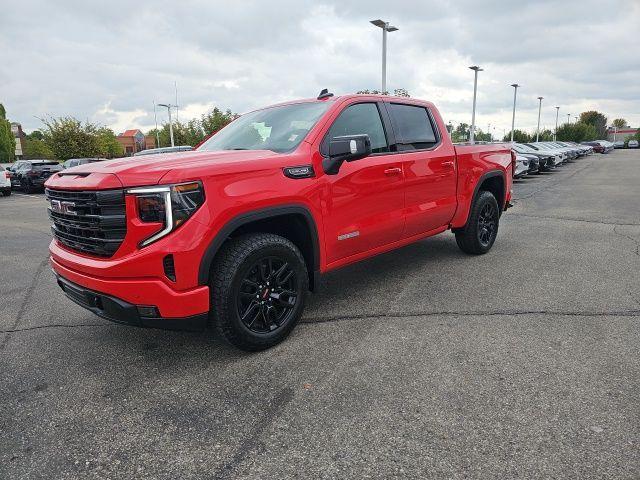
364,205
429,166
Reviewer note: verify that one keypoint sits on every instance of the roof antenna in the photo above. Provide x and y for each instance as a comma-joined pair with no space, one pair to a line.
324,93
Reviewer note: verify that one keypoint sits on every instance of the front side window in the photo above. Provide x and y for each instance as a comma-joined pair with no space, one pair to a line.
415,130
279,129
358,119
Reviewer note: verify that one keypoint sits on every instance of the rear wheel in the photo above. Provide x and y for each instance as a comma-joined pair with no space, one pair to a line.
480,232
258,285
6,192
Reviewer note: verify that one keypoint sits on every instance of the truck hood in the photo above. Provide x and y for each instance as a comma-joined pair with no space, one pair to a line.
149,169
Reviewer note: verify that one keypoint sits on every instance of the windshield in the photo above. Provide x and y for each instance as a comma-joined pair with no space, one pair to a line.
279,129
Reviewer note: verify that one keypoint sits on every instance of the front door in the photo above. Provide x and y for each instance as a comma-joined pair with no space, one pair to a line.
364,204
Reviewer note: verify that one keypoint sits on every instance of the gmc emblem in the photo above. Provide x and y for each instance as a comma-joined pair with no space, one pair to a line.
63,207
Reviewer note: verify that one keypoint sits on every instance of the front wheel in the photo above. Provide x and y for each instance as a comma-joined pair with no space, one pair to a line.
6,192
258,285
480,232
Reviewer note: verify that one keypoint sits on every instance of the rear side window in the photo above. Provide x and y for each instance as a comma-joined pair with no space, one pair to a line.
356,120
414,128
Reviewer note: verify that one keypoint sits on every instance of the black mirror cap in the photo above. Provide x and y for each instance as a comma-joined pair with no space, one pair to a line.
347,148
350,147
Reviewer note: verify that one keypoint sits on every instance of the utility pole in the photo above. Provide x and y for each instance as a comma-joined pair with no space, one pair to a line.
513,117
476,69
539,111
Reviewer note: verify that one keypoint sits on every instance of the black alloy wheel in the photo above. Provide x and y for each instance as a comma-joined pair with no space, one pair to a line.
268,295
487,221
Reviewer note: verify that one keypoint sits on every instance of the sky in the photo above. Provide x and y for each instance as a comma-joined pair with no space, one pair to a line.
107,62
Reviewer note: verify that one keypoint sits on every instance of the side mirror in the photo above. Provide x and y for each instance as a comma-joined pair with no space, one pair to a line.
346,149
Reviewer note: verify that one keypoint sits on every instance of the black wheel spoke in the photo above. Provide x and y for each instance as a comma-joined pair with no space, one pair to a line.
268,295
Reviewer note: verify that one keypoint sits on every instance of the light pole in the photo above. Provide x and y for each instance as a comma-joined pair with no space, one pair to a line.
539,111
476,69
513,117
155,117
568,118
168,107
576,119
615,131
555,134
489,131
385,28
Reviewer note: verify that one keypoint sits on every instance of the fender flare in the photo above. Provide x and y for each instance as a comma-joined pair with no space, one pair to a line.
476,189
249,217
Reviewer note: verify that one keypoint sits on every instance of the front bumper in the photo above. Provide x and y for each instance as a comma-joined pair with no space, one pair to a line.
119,311
172,306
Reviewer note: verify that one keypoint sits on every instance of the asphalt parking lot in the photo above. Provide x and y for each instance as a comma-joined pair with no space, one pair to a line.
420,363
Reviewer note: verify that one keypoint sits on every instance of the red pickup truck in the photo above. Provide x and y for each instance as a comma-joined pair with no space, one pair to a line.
233,234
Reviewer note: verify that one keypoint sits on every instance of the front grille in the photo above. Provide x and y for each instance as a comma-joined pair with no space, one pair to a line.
92,222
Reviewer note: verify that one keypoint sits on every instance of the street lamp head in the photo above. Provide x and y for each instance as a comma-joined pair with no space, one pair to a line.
476,68
540,98
163,105
384,25
515,85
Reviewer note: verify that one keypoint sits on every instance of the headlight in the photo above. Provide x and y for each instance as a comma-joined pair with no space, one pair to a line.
170,205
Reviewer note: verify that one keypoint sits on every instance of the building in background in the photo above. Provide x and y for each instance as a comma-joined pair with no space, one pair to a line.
134,141
19,135
621,134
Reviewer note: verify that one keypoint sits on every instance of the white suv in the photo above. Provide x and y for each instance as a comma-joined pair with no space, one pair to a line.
5,182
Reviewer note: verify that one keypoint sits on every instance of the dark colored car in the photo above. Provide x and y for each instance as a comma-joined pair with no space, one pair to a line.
597,147
31,176
74,162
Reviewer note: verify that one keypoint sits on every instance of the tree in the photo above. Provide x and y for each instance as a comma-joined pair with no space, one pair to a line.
460,133
68,137
577,132
398,92
597,120
519,136
546,135
619,123
35,148
7,140
108,145
216,119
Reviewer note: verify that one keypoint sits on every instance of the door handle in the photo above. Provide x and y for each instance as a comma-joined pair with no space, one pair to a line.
393,171
448,163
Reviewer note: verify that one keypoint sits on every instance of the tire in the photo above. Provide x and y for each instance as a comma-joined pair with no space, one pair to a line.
258,286
478,235
6,192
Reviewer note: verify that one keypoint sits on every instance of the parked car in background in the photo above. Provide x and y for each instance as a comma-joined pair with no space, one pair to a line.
31,176
15,165
608,146
546,161
618,144
560,154
597,147
74,162
633,144
5,182
155,151
522,166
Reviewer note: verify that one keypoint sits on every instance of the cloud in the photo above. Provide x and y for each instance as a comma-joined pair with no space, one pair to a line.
108,61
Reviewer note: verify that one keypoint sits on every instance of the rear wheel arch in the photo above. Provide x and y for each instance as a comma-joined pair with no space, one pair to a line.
293,222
